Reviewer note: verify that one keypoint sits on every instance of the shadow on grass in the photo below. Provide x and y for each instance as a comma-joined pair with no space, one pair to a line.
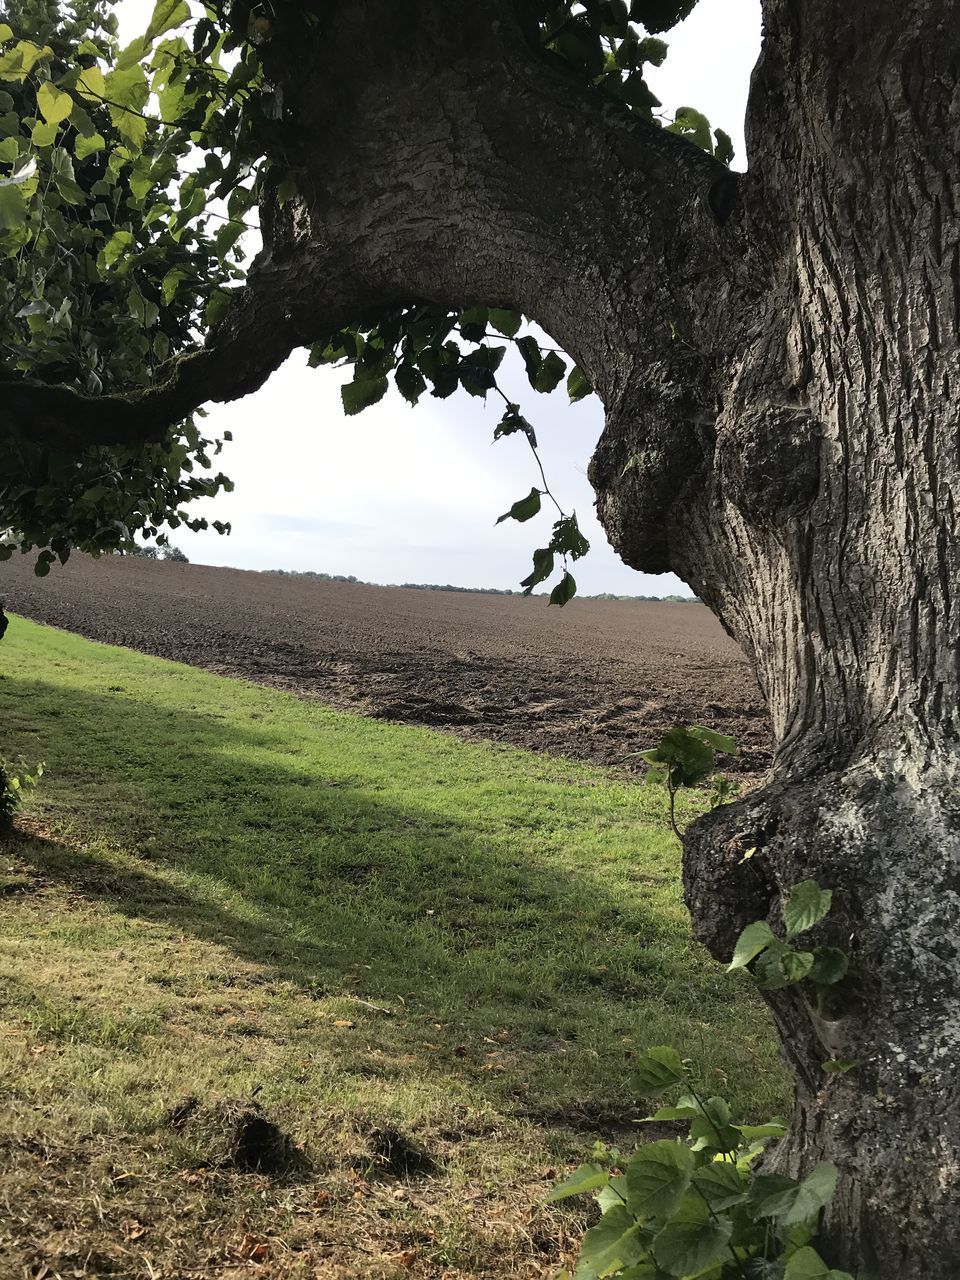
307,871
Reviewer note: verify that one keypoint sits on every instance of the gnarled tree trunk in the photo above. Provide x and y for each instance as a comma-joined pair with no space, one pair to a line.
821,526
779,359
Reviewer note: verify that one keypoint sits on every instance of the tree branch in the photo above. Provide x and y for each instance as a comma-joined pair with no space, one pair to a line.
475,171
277,310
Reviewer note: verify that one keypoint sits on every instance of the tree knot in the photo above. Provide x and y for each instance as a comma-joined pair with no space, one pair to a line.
768,460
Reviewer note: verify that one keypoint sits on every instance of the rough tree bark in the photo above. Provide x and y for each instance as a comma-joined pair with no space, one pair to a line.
822,529
780,353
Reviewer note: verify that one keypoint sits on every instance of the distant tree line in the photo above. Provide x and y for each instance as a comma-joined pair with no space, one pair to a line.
156,553
447,586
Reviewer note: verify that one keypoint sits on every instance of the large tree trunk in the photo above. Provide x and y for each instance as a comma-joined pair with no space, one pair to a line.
822,528
779,362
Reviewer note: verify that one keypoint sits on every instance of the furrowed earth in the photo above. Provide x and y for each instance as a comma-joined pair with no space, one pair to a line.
596,680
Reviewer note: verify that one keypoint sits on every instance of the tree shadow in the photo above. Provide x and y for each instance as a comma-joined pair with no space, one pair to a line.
339,890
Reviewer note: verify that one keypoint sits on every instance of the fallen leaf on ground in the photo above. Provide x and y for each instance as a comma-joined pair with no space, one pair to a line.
254,1249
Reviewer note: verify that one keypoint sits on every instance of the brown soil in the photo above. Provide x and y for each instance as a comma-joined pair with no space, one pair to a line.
596,680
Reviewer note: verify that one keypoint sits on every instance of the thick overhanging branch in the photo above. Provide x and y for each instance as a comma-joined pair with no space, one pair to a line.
274,313
473,172
449,159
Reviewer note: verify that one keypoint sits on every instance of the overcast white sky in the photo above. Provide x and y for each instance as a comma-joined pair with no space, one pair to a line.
401,494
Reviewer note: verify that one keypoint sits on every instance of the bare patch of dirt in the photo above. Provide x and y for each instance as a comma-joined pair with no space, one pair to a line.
595,681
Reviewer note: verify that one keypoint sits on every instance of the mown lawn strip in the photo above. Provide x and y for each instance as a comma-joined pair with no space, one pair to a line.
221,892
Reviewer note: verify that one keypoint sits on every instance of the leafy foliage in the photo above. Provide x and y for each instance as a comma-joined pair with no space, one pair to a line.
90,232
685,757
126,178
775,962
15,778
698,1209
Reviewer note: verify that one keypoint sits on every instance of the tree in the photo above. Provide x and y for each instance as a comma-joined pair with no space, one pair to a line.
777,353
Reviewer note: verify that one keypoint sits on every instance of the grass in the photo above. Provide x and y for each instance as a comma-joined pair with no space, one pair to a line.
222,895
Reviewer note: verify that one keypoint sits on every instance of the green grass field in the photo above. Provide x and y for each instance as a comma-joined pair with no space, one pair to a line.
222,892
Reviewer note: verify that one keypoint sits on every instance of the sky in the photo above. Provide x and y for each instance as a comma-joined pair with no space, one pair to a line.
403,494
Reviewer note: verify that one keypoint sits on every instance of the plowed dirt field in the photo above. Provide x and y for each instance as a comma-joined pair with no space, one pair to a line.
596,680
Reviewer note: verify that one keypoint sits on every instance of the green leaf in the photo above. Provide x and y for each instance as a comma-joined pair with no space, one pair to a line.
830,964
287,189
692,1241
61,170
529,349
475,379
795,965
693,125
806,1264
115,247
658,1069
91,84
43,134
577,385
807,906
543,562
9,150
589,1177
719,741
473,323
550,373
614,1193
17,63
753,939
721,1185
487,357
84,146
840,1066
217,306
167,14
523,509
55,105
658,1177
690,759
505,322
567,538
410,381
227,236
81,121
768,972
6,33
723,149
564,591
751,1132
128,91
360,394
13,208
614,1243
686,1108
635,92
439,365
145,312
789,1202
712,1130
171,282
513,420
